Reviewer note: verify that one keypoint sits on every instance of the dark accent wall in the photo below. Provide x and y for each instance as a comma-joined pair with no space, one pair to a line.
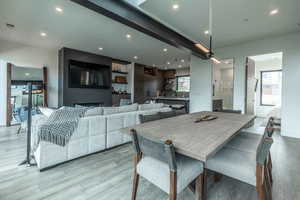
145,85
70,96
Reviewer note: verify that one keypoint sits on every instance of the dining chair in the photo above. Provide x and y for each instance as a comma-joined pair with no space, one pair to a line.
249,142
168,114
157,162
149,117
245,166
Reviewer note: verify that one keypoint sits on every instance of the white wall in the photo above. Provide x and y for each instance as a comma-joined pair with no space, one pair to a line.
201,87
29,56
290,46
266,65
3,81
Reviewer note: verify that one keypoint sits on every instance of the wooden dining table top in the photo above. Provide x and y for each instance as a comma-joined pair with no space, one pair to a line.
196,140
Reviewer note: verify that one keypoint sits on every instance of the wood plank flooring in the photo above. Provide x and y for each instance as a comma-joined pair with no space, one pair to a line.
108,176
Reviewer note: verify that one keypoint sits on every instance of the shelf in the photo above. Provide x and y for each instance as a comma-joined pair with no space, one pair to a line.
119,83
118,72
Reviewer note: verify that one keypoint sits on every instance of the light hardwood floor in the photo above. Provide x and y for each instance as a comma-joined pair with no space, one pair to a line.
108,176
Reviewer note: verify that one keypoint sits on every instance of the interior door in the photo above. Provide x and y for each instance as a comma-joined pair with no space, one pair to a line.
251,86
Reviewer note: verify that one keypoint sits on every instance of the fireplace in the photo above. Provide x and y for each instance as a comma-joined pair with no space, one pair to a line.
91,104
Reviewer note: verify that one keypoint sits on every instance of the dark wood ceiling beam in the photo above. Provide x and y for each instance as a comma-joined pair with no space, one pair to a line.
133,17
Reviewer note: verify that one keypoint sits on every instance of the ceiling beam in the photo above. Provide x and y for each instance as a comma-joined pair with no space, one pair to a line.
127,14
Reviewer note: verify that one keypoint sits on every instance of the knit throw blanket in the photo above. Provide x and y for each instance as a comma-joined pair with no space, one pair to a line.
59,127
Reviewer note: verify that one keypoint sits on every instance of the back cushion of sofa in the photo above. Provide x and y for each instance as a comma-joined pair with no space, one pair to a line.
110,110
151,106
128,108
94,111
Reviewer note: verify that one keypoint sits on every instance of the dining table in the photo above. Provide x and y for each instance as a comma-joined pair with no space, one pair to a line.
193,138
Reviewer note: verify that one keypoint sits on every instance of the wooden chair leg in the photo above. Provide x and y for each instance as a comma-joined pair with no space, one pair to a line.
173,185
136,177
199,192
268,184
204,184
270,166
260,187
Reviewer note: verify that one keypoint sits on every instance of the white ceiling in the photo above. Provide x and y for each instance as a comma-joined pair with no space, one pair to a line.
79,28
267,57
234,21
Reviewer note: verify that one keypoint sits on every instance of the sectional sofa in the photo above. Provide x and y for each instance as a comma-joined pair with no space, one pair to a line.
98,130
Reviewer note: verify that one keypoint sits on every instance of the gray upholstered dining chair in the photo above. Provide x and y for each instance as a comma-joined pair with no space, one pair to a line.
168,114
245,166
149,117
157,116
249,142
157,162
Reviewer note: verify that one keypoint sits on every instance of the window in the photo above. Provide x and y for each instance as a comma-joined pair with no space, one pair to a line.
183,84
271,82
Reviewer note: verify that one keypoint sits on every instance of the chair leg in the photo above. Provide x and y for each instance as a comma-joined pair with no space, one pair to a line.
173,185
260,187
136,176
204,185
199,192
270,166
268,184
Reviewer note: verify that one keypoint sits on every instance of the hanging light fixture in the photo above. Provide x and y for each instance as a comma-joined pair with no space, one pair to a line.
211,55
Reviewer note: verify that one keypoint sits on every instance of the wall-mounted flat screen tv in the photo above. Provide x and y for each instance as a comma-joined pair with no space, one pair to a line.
88,75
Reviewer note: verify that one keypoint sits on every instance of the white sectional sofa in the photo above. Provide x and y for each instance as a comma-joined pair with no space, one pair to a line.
97,131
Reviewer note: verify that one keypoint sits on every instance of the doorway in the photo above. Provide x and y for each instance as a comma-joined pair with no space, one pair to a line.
17,92
264,85
222,83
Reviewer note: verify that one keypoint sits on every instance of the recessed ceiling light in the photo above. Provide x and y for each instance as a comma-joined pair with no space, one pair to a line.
43,34
135,57
179,66
128,36
175,6
27,74
59,9
206,32
100,48
168,63
165,50
274,12
182,60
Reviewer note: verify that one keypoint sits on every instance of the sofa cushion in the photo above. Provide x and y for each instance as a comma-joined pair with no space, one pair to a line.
110,110
128,108
94,111
151,106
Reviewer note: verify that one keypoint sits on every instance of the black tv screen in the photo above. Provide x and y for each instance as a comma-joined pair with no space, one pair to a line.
88,75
